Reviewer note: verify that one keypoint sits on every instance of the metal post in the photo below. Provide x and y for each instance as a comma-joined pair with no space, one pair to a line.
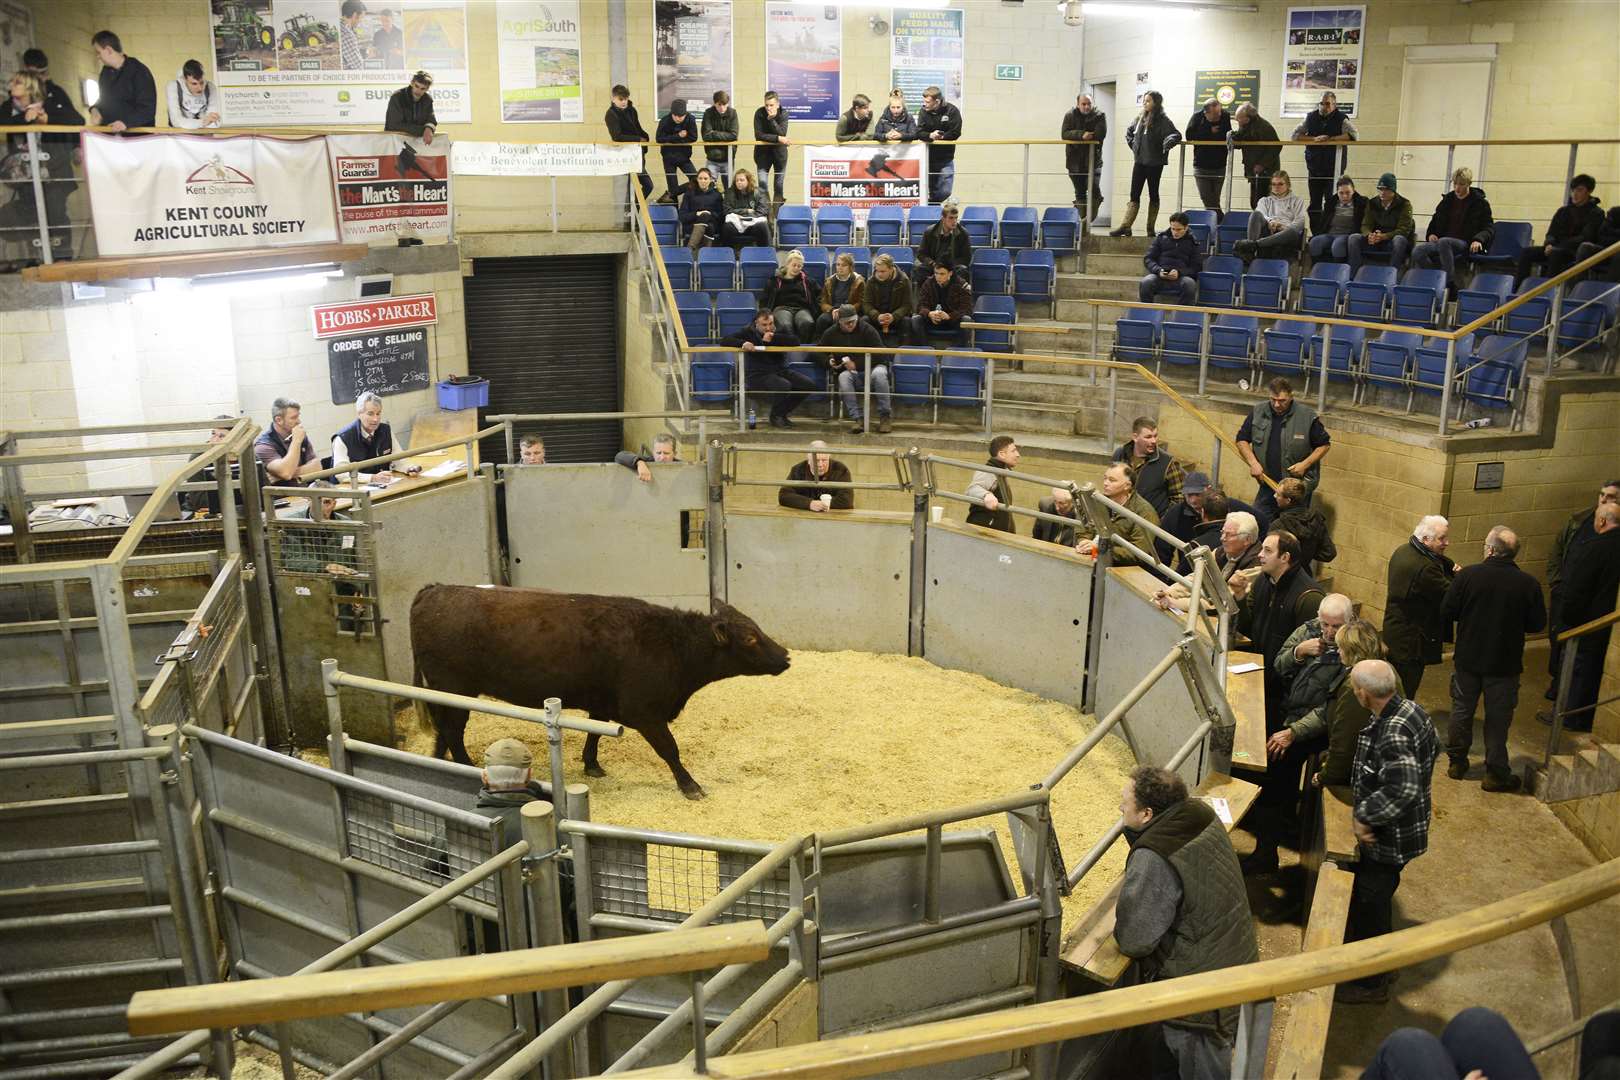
989,392
1091,188
1552,331
1181,176
714,523
539,826
1566,675
278,733
511,450
578,808
1231,158
919,558
11,491
335,748
559,786
1096,353
39,197
742,393
1445,389
1569,174
1327,357
284,1050
228,519
1026,174
492,528
931,875
1203,353
866,394
1113,397
700,1028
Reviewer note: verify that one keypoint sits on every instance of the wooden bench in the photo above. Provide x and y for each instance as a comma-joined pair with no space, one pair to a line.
1091,947
1246,694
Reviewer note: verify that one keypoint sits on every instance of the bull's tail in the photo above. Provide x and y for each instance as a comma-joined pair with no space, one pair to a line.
424,718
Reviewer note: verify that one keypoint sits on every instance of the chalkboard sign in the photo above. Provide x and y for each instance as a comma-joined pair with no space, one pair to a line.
387,362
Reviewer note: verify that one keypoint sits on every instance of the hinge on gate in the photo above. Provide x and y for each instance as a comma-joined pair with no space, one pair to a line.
529,861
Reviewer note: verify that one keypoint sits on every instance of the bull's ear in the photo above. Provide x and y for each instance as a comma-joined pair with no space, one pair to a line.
722,633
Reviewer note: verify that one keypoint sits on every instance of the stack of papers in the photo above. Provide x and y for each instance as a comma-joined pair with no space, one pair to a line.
445,468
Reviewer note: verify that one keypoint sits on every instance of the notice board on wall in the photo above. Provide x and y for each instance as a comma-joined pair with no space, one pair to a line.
387,362
1229,86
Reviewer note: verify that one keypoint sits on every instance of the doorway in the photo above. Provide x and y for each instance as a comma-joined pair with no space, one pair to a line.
1102,98
1445,94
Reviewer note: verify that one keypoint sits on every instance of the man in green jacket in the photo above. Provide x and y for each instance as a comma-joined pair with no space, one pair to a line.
1419,575
1387,227
1119,487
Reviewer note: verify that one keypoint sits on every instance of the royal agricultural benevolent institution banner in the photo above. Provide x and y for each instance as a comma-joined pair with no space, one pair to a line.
863,176
299,62
541,80
544,159
692,54
925,49
803,49
176,193
389,186
1322,51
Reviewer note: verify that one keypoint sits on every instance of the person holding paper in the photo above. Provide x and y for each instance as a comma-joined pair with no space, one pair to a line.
368,437
1272,606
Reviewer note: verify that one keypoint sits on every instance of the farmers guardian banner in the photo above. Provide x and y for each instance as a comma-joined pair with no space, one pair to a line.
802,48
172,193
389,186
544,159
861,177
1322,51
299,62
925,49
540,61
691,52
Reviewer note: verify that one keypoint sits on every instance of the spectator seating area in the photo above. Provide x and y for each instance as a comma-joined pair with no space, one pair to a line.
1018,228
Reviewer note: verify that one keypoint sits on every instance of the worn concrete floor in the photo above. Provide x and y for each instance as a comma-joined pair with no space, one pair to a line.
1482,847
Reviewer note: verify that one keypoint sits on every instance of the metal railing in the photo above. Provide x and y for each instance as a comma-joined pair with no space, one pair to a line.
1570,641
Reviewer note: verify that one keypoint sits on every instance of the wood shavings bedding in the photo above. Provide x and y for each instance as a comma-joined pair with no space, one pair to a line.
845,738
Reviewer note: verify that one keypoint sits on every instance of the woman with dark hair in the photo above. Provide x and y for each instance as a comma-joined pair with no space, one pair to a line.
1150,137
747,214
702,209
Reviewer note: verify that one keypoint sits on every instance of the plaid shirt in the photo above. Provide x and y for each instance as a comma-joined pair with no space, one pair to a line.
350,55
1395,756
1175,473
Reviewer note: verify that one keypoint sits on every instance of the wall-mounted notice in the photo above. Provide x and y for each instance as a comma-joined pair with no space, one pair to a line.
803,45
691,52
1322,51
303,62
1229,86
541,77
1142,86
925,49
391,362
544,159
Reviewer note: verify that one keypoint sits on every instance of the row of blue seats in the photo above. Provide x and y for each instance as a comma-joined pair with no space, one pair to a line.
915,379
1030,275
1056,229
1509,238
706,318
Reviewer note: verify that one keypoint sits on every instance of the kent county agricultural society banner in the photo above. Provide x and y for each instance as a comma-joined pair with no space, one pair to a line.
540,61
925,49
861,177
691,53
169,193
1322,51
544,159
390,186
802,50
301,62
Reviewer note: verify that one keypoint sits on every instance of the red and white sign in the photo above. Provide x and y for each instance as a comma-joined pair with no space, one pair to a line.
863,175
383,313
389,186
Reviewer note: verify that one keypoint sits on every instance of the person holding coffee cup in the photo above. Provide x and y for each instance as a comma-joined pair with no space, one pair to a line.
803,492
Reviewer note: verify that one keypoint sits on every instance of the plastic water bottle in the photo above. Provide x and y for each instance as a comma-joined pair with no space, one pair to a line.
1483,421
753,419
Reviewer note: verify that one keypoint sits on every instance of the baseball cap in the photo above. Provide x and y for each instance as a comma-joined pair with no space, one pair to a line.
845,311
508,752
1195,483
1388,181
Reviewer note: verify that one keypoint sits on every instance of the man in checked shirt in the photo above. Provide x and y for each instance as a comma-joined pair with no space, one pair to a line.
1395,756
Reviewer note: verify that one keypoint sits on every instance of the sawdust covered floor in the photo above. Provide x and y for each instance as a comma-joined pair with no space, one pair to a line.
845,738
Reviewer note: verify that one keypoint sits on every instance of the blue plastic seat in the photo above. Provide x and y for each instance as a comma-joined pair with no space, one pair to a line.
980,223
961,380
1234,227
1265,285
1136,335
1344,361
1018,225
1286,348
1429,364
1181,338
716,269
905,260
1218,282
795,226
861,255
835,225
814,368
666,223
1530,319
1060,229
733,311
678,264
1387,359
1034,274
991,271
1420,298
1002,310
817,264
885,225
1484,294
1234,342
1587,314
1366,296
712,379
1202,223
919,219
1498,371
1321,291
1508,242
912,378
697,317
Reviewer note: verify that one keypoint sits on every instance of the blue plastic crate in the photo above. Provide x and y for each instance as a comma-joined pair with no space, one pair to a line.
467,395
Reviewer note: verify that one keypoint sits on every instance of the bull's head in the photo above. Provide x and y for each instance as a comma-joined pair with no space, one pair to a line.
750,649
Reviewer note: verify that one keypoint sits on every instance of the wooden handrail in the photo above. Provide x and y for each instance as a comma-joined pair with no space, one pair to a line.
1591,627
658,260
1551,283
371,989
1112,1010
1280,316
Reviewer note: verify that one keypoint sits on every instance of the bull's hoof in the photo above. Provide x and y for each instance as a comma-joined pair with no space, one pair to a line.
594,770
695,792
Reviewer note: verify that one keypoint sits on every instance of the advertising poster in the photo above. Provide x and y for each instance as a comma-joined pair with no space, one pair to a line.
1142,86
861,177
165,194
1322,51
300,62
544,159
691,53
803,45
925,49
541,76
1229,86
389,187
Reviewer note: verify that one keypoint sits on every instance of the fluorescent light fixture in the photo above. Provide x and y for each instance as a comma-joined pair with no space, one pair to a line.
281,279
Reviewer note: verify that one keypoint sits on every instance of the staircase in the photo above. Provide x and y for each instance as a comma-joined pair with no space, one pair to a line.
1592,771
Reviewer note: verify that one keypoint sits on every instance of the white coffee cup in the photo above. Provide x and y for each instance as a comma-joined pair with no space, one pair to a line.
826,500
938,513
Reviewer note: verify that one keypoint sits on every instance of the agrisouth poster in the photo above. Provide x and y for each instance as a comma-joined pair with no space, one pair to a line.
300,62
1322,51
803,43
861,177
389,186
540,61
691,52
925,49
174,193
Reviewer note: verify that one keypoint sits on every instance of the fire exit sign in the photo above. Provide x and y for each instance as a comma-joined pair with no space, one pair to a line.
1009,71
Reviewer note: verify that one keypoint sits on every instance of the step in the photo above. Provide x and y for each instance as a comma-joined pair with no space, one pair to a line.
1597,770
1115,263
1053,419
1102,243
1555,782
1063,388
1097,286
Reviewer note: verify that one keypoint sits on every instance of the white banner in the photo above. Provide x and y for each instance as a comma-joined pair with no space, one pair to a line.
170,193
390,186
541,79
544,159
861,176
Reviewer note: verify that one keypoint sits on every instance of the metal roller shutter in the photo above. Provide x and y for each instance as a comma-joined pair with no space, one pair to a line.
545,333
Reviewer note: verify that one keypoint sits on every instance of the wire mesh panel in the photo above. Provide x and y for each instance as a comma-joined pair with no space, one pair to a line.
165,701
415,843
669,882
218,622
321,548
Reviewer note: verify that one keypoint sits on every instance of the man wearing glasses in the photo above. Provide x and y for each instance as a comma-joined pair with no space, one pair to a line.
940,124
